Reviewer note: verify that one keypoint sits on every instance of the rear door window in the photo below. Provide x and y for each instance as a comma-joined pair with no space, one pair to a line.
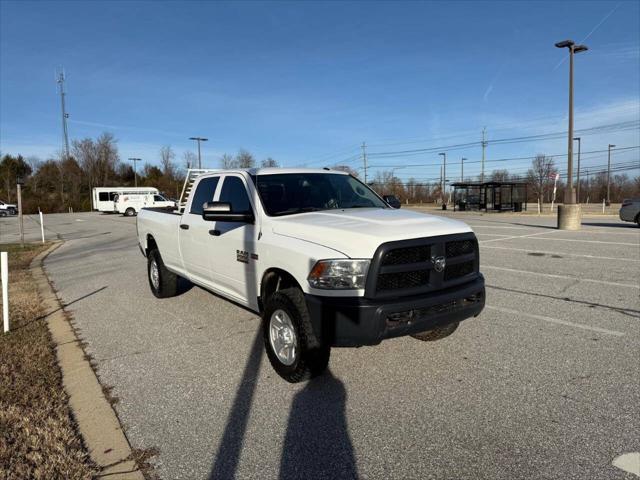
103,196
204,193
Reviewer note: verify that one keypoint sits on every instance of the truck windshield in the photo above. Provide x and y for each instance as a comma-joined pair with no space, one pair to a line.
289,193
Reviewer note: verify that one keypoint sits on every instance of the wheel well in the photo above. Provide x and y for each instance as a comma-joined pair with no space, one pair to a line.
273,280
151,244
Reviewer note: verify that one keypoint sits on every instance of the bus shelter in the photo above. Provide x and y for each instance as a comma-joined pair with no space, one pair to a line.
490,196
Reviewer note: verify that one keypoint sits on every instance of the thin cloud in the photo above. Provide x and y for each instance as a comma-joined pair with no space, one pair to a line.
604,19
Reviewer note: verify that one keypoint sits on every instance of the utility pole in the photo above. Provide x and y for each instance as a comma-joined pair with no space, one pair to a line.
484,146
588,186
462,169
199,139
135,170
444,179
65,115
364,160
578,175
609,175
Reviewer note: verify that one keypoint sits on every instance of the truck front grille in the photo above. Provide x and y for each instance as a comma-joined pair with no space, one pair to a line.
396,281
407,267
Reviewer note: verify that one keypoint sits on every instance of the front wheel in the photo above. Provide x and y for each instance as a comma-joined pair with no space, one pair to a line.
437,333
129,212
294,352
163,282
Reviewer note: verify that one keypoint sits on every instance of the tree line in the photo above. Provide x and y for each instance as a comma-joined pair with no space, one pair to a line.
63,182
539,179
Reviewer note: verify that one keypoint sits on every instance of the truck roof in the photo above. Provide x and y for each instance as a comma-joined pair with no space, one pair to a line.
274,171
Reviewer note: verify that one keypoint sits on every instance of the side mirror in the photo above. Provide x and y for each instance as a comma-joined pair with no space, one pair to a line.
392,201
222,212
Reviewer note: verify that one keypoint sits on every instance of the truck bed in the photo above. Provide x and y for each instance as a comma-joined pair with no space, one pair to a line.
169,210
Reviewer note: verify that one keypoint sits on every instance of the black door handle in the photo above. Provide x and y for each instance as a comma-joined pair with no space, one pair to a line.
215,233
184,226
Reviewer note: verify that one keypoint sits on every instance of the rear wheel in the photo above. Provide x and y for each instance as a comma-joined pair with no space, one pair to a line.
129,212
294,352
163,282
437,333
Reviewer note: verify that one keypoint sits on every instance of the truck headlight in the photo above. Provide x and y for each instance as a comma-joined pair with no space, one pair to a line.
339,274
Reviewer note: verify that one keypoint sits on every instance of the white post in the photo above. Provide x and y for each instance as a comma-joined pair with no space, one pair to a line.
4,275
603,205
41,225
555,185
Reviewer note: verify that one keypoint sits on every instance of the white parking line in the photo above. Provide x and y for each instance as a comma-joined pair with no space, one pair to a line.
564,277
493,234
555,320
582,241
516,236
561,253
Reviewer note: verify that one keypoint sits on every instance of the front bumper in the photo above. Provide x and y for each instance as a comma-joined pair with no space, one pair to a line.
356,321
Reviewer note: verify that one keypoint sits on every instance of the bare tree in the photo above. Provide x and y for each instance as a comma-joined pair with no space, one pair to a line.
245,160
189,159
269,163
539,176
167,156
227,161
500,175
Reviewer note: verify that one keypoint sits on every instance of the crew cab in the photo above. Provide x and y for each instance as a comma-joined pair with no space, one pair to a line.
320,256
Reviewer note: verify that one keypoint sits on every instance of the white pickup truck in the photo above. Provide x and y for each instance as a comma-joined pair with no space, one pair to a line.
7,209
322,258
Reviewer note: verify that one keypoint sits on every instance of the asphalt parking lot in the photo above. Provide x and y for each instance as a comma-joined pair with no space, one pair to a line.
545,383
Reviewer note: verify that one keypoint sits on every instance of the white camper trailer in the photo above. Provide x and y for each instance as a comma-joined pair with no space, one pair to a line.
102,198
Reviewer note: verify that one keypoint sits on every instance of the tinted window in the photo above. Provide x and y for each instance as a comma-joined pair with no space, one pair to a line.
158,198
103,196
113,195
203,194
233,191
288,193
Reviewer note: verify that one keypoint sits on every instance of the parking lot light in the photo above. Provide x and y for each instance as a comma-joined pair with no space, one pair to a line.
569,215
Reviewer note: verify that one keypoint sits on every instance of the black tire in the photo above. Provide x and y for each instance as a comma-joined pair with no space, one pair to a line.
311,357
129,212
167,283
3,213
437,333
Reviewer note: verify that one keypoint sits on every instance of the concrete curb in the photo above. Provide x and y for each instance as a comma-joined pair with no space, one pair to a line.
97,421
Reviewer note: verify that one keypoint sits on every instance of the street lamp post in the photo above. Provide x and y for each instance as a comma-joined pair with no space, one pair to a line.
609,175
578,175
199,139
569,214
135,170
444,179
462,169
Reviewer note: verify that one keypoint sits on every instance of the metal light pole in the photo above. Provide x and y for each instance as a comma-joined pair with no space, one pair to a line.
199,139
462,169
609,175
569,216
578,175
444,179
135,170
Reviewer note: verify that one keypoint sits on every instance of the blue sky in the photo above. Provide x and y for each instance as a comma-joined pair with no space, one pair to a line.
308,82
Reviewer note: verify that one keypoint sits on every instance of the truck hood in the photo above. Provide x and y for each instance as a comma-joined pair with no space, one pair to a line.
358,232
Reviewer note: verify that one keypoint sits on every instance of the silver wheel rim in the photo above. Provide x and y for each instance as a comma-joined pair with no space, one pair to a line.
155,275
282,336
